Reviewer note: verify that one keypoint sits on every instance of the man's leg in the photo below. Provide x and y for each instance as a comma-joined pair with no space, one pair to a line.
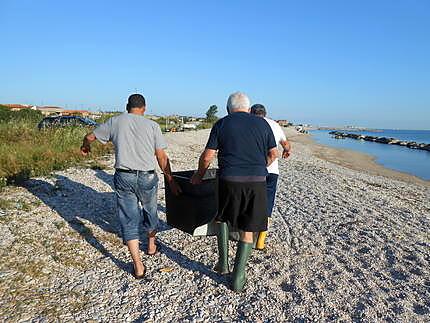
147,193
222,241
242,254
247,237
129,217
133,247
152,247
271,183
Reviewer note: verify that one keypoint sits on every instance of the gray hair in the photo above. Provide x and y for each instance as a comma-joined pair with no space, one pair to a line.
238,101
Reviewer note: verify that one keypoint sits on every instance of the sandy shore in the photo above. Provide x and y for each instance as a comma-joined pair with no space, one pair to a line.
346,244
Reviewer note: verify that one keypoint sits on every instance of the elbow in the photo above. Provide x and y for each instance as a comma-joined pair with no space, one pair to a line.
271,156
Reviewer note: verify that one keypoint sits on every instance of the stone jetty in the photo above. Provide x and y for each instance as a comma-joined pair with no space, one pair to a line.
382,140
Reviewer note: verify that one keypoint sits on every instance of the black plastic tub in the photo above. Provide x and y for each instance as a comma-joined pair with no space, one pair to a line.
196,206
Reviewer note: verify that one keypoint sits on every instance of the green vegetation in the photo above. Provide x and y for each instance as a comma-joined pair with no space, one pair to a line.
211,114
24,115
206,125
106,116
25,151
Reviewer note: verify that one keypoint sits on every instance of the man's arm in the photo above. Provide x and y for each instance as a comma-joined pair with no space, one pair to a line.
164,163
287,148
102,133
204,162
86,144
272,155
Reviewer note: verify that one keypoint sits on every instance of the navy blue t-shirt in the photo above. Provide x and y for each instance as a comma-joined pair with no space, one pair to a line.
243,141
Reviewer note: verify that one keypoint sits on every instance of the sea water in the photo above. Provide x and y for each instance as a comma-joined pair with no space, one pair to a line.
400,158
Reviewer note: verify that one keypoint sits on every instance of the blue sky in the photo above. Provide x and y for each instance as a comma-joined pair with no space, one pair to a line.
322,62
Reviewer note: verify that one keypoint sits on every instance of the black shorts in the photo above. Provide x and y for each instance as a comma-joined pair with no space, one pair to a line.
243,205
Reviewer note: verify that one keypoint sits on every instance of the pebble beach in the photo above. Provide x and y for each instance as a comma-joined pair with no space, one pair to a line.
348,241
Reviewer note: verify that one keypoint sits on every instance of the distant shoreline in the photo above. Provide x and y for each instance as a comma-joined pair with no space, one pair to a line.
345,129
351,159
357,129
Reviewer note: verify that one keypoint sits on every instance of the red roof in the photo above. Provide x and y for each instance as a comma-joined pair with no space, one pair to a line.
17,106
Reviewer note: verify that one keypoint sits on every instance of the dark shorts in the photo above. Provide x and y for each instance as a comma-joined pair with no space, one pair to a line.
243,205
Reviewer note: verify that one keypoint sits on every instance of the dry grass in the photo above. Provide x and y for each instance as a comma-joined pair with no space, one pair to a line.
25,151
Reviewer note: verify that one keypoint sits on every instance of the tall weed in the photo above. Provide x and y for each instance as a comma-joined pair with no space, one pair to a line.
26,151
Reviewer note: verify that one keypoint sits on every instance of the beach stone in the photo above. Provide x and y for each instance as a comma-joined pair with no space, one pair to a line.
6,237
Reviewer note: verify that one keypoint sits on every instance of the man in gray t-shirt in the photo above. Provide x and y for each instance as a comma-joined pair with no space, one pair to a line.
135,139
138,142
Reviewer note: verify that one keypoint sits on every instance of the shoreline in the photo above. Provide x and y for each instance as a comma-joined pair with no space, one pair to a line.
351,159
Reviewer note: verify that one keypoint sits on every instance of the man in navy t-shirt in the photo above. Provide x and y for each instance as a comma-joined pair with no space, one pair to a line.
246,146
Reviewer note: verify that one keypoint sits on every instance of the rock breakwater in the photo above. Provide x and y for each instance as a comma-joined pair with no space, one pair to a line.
381,140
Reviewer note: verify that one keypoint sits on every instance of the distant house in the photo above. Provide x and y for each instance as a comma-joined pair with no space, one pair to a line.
95,115
283,123
83,113
18,107
46,111
189,125
152,117
49,110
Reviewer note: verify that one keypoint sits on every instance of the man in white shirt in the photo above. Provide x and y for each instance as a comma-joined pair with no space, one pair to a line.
272,169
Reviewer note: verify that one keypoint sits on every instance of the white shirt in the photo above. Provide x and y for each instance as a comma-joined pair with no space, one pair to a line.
279,135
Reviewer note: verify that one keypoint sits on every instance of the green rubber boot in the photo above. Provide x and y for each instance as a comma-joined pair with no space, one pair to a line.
222,237
239,271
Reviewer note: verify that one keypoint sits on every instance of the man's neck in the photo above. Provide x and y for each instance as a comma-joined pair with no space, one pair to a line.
138,112
240,110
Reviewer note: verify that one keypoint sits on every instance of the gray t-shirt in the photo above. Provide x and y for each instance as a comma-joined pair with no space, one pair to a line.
135,139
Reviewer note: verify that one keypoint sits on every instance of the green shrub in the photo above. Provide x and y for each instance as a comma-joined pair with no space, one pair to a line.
26,152
205,125
23,115
105,116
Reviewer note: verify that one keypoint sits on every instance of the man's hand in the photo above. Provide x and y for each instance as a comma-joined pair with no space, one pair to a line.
286,153
174,187
287,148
86,144
204,161
196,179
85,151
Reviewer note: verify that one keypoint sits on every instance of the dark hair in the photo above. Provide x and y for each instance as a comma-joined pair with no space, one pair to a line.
135,101
259,110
